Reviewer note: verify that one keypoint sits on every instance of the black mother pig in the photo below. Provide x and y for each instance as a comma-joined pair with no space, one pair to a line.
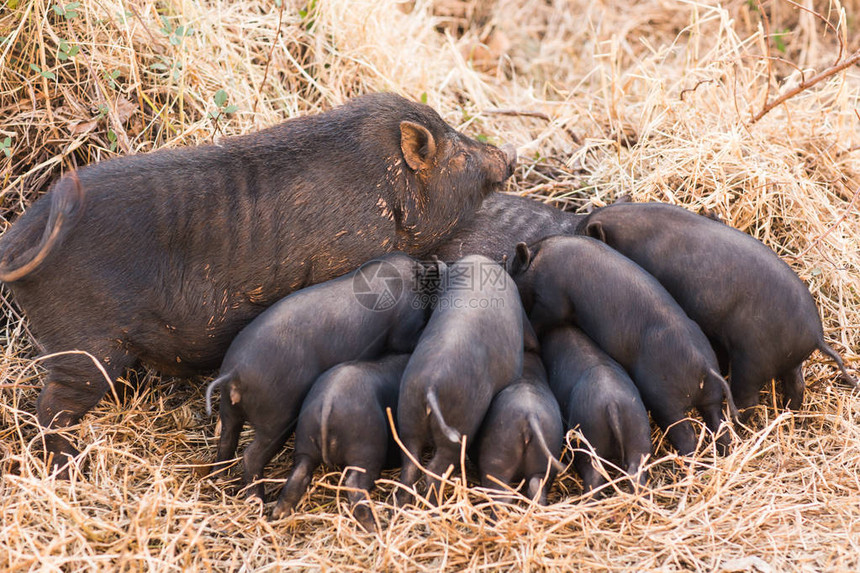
502,222
343,423
751,305
163,257
273,362
597,396
522,434
470,350
581,281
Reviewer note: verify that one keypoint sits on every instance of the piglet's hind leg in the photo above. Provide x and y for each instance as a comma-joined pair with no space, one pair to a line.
232,421
267,442
360,483
793,387
296,486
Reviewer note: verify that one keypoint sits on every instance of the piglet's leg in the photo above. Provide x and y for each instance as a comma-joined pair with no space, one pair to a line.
296,486
232,421
495,482
442,460
360,484
713,416
267,442
633,468
793,387
678,430
591,478
73,386
410,473
747,380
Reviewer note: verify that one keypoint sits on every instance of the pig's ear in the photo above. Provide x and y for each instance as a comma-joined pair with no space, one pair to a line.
417,144
522,259
594,229
441,267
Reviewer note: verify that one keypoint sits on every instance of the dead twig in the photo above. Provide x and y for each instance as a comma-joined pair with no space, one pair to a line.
694,88
269,56
826,23
803,86
766,22
517,113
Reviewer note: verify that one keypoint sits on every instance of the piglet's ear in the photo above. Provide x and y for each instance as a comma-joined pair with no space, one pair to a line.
522,259
594,229
441,267
417,144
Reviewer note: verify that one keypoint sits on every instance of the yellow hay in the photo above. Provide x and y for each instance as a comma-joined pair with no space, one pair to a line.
654,99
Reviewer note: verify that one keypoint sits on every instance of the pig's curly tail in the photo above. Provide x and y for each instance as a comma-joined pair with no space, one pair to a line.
211,388
537,433
433,405
66,207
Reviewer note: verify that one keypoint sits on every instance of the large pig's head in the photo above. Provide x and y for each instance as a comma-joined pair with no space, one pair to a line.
440,176
446,161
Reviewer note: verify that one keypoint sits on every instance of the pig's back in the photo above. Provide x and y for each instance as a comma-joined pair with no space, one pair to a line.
621,308
725,280
502,222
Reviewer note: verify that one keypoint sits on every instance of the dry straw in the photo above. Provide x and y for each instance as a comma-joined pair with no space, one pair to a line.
656,99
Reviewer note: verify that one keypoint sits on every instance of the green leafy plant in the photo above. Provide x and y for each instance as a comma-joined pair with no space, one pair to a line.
6,146
66,52
220,99
175,35
306,14
174,69
112,139
44,73
69,11
779,40
110,78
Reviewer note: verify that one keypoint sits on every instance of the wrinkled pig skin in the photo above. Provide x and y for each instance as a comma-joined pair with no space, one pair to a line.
502,222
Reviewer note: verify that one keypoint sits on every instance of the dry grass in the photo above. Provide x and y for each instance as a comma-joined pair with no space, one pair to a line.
650,98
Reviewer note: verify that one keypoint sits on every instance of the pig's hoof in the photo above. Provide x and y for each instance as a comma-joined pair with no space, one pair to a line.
364,516
281,510
402,498
254,492
724,447
60,464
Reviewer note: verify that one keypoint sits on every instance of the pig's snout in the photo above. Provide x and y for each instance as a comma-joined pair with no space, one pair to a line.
510,158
